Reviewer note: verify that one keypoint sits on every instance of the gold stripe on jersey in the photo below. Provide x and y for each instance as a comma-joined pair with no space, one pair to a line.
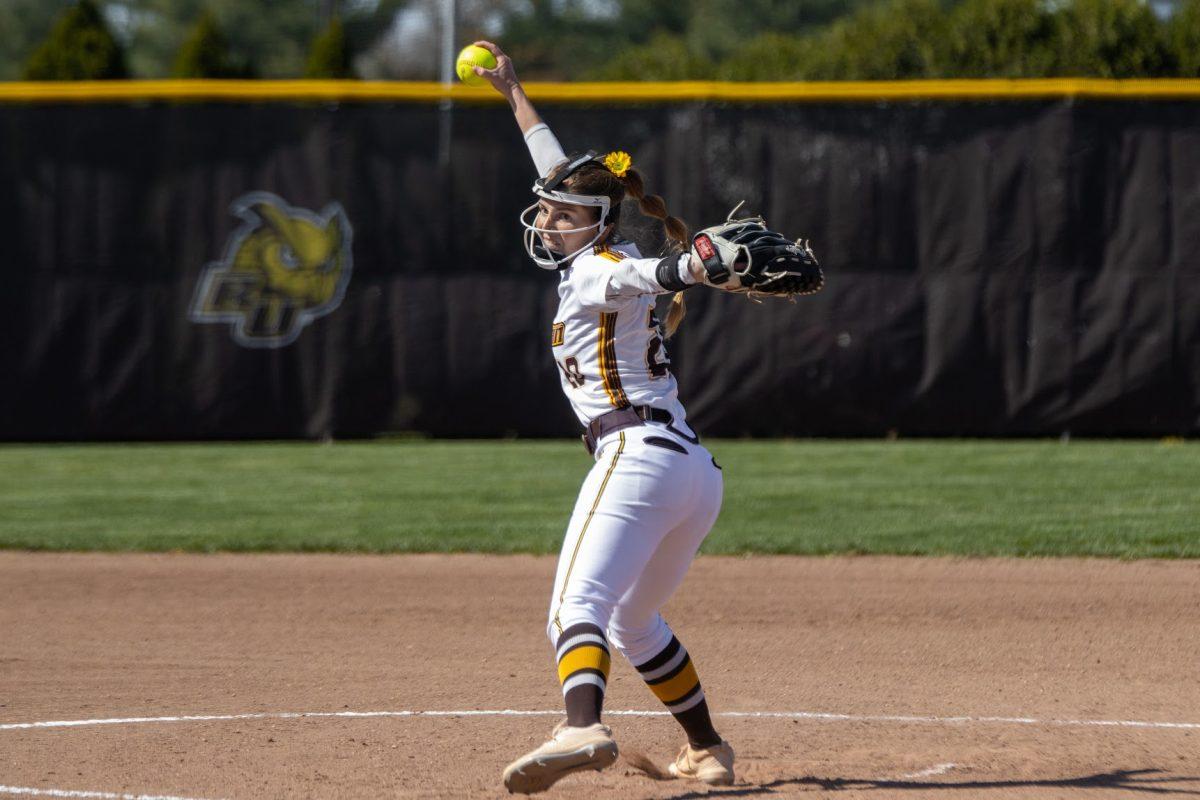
557,333
586,522
611,255
609,374
606,322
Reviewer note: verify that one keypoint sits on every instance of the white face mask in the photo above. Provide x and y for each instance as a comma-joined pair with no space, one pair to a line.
535,241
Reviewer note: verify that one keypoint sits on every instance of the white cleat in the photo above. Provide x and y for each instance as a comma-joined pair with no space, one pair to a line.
569,750
712,765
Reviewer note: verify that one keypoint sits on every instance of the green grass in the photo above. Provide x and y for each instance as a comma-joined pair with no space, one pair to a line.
1096,498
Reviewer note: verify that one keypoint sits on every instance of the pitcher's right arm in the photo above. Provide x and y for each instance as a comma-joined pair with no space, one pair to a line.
547,153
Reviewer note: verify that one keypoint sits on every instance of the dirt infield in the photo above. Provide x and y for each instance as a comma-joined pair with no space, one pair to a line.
940,677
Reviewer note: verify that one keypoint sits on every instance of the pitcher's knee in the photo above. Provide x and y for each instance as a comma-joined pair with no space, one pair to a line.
574,611
639,640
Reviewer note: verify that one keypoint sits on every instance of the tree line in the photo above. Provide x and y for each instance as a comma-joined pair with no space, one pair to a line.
740,40
908,39
113,39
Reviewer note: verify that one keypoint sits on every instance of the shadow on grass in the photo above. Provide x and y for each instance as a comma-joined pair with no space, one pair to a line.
1150,781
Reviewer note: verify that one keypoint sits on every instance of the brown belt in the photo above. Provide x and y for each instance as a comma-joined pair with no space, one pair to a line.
619,420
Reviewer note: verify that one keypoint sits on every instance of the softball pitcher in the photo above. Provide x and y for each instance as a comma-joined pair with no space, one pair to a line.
655,491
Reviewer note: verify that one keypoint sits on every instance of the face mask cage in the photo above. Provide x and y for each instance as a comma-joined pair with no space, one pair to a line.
535,241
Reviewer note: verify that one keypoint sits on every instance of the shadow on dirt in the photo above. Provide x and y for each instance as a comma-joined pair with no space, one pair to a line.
1150,781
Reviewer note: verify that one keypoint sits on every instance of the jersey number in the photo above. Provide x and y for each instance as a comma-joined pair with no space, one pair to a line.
570,371
658,369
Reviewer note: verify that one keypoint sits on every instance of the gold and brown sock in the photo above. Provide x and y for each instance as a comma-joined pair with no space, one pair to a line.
583,663
672,677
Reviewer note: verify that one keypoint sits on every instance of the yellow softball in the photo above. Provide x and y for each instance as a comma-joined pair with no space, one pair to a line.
473,56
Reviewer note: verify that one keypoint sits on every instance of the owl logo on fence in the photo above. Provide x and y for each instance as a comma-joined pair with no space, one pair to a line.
283,268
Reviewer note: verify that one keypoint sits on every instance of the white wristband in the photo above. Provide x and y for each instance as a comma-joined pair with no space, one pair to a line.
544,147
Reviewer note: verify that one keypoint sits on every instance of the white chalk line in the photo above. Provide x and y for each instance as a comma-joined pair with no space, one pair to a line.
508,712
936,769
31,791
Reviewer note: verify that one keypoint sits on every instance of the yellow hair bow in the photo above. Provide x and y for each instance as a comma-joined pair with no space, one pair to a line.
618,163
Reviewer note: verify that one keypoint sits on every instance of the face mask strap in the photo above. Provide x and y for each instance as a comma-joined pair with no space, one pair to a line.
565,170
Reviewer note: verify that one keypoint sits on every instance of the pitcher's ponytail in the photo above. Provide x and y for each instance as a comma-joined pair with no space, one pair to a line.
676,232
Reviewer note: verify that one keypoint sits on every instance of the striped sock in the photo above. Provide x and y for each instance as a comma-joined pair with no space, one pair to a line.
583,662
673,679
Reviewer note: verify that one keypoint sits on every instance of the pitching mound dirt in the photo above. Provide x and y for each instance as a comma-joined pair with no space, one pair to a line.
888,677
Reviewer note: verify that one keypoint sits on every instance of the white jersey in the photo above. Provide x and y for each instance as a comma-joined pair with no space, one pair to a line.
606,339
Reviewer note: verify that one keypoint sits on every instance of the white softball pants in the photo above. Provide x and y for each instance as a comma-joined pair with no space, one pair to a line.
641,515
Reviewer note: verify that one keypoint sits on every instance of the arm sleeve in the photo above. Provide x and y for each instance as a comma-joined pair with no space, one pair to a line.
601,281
544,147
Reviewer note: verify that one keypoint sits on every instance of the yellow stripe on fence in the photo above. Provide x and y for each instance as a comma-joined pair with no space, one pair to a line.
622,92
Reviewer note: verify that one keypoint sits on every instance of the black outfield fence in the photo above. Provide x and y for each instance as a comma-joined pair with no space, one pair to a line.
284,268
